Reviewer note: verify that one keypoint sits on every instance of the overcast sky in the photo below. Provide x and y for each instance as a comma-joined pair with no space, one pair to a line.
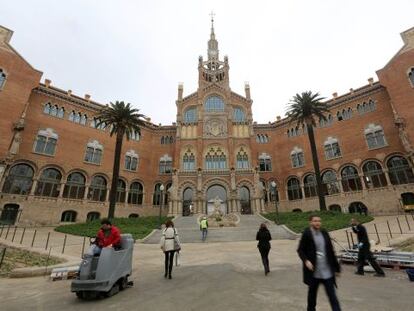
138,51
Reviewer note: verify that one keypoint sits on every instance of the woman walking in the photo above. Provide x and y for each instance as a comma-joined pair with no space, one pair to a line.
264,237
169,243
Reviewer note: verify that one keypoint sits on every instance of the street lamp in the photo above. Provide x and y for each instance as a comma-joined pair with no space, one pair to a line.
273,184
161,204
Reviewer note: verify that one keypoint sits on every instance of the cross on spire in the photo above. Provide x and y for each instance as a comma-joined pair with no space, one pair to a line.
212,14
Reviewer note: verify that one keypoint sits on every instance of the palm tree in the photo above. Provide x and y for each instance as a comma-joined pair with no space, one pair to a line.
303,109
122,120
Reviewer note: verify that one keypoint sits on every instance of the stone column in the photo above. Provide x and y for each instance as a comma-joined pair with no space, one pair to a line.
61,190
108,190
341,188
387,177
361,179
85,194
34,185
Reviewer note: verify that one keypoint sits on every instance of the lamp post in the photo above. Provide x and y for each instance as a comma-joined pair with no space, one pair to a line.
273,184
161,204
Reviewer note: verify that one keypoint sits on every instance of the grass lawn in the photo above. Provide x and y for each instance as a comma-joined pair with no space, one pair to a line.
17,258
298,221
138,227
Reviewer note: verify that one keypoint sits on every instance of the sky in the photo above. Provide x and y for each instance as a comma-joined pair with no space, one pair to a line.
138,51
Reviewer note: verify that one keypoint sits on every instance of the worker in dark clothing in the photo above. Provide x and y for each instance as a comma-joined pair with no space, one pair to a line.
264,238
364,252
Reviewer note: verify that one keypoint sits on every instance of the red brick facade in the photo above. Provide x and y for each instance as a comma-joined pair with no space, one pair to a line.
216,135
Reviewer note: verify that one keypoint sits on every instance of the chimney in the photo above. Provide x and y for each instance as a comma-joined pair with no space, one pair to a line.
180,90
351,90
87,97
247,90
69,92
48,82
278,118
335,95
371,81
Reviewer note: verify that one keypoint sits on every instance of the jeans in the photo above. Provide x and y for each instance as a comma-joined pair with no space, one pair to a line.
169,259
365,254
264,252
330,291
204,232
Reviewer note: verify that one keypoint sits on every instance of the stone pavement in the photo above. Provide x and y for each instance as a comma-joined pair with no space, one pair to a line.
215,276
189,232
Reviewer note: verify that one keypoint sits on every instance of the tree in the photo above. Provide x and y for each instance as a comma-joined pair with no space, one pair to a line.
303,109
122,120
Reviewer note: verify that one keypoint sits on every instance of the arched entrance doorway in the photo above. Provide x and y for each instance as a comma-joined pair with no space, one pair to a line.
216,195
335,208
187,202
9,214
358,207
244,194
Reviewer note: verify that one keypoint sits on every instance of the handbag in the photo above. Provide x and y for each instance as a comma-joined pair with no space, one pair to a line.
177,259
177,246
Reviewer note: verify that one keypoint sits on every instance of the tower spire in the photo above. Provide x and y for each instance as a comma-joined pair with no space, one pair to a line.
212,50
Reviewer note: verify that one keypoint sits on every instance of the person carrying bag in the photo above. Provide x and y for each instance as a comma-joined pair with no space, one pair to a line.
170,244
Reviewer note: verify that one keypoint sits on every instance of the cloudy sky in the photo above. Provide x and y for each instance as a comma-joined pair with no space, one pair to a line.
138,51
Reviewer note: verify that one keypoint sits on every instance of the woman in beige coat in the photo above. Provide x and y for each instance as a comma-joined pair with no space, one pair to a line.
169,243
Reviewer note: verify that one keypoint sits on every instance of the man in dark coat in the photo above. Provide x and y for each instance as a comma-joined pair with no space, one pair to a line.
364,252
319,263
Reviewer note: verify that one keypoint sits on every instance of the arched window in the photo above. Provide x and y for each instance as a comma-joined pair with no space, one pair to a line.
54,111
188,161
93,122
238,115
72,117
214,104
264,187
92,216
49,181
134,135
68,216
339,116
373,175
309,183
136,193
297,157
274,193
410,77
165,165
83,119
242,160
215,159
120,191
350,179
360,109
156,200
19,180
97,189
244,195
329,183
93,152
399,171
162,140
131,160
293,188
374,136
46,142
75,186
265,162
190,115
332,149
371,105
61,112
77,117
46,108
2,78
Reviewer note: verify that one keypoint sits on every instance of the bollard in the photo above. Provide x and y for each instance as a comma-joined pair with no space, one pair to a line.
47,240
399,225
7,232
376,231
389,229
21,239
347,238
14,233
34,236
83,246
64,244
408,223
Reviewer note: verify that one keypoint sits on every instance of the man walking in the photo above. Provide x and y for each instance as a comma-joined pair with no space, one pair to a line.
319,263
204,228
364,251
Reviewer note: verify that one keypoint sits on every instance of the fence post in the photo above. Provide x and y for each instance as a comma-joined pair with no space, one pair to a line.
47,240
389,229
408,224
399,225
14,233
7,232
83,246
2,256
347,238
64,244
21,239
376,231
34,236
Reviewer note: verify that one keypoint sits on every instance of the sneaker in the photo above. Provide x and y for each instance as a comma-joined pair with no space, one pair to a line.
380,275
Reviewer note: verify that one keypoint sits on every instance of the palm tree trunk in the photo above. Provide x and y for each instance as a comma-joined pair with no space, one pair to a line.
321,196
115,173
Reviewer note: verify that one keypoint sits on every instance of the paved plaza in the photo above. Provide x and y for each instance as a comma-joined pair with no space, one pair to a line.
215,276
